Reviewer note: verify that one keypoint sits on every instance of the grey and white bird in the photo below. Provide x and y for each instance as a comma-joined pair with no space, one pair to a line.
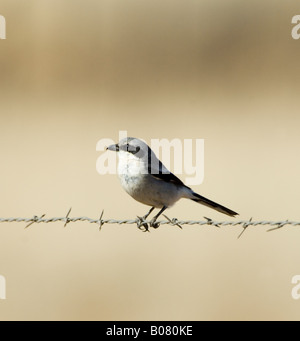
147,180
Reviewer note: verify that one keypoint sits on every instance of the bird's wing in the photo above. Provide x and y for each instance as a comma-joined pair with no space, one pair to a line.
157,169
169,177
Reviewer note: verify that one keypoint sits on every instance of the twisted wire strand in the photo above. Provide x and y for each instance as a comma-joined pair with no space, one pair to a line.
143,224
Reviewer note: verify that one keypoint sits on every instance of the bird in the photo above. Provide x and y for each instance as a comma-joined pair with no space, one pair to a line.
145,178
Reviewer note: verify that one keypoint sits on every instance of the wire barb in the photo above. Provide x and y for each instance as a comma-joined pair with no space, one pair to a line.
211,222
173,222
67,217
101,222
245,226
35,219
279,226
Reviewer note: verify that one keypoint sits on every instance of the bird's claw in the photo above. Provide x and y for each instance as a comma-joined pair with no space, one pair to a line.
142,225
154,224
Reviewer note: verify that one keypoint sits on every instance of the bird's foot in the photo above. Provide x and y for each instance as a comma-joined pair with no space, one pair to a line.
154,223
142,224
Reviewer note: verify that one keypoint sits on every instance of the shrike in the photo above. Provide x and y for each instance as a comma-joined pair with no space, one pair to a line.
148,181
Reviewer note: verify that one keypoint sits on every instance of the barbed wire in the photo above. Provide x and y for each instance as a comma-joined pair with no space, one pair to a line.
144,224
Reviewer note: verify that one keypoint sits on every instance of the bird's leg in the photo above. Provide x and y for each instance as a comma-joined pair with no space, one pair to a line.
142,220
153,222
147,215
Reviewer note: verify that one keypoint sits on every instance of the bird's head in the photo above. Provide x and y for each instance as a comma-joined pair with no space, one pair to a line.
132,146
138,154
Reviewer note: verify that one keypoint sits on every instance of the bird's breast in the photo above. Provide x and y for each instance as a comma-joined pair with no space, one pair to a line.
144,187
130,171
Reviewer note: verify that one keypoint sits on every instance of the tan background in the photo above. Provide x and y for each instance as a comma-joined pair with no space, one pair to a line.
73,72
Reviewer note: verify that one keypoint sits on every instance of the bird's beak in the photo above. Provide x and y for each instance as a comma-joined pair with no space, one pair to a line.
113,147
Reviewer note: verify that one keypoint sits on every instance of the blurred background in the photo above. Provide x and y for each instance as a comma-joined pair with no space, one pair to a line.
74,72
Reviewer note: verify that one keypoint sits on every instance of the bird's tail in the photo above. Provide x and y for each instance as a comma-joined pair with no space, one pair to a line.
201,200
